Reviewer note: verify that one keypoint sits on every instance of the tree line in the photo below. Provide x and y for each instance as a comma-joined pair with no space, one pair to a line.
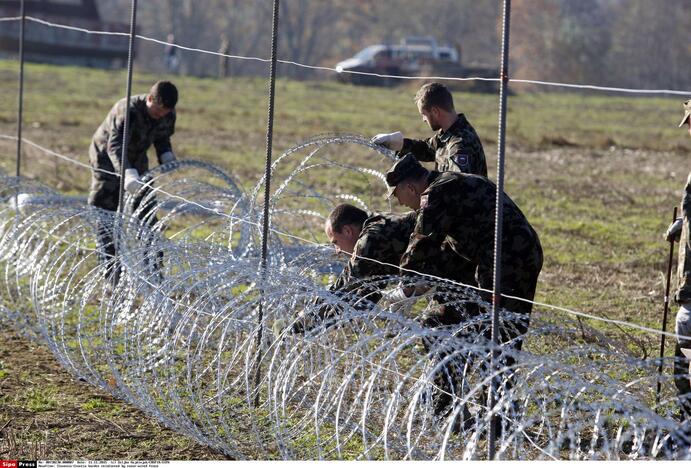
630,43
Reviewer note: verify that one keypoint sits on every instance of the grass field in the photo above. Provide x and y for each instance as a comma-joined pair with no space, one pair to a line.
596,175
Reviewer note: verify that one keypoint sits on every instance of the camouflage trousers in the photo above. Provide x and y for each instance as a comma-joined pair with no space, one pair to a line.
104,194
684,266
518,280
448,379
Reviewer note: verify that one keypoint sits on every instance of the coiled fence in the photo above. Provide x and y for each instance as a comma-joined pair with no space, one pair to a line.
179,334
175,335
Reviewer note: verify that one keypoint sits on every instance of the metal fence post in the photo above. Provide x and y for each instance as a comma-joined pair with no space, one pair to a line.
20,104
267,194
130,58
499,217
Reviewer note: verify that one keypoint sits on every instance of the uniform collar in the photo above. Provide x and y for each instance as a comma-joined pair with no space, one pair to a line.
373,218
139,103
460,122
433,175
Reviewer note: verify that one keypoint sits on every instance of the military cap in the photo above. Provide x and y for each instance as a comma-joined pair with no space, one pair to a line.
687,112
405,167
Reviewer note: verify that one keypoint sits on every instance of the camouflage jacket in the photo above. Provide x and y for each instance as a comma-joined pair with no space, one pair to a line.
684,267
105,151
460,209
456,150
384,237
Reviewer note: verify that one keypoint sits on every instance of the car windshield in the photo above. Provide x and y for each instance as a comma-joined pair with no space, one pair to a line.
368,52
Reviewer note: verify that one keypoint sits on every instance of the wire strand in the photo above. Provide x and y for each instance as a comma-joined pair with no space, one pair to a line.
427,275
335,70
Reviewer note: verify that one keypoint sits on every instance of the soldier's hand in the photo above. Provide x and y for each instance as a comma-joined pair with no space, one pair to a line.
132,182
398,300
674,231
168,157
396,295
393,141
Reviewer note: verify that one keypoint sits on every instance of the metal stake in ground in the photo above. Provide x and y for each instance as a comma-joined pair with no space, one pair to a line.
126,128
267,194
20,105
664,318
498,220
130,58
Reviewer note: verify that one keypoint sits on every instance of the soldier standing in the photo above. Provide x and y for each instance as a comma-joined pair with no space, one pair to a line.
455,147
170,55
680,231
151,121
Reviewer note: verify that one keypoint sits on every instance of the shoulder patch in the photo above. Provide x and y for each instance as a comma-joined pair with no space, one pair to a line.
461,160
423,201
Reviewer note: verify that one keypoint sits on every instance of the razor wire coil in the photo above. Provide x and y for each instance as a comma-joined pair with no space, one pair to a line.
173,337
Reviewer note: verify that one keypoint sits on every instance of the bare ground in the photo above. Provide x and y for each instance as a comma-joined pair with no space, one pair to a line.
46,414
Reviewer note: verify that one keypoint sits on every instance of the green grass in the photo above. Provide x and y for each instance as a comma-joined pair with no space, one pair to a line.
597,175
41,399
95,403
597,207
225,121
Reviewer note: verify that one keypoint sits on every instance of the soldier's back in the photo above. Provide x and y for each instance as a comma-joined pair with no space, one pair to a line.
115,116
466,204
385,237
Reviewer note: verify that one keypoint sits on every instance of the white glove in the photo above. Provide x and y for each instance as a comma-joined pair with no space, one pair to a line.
393,141
167,157
398,301
132,182
674,231
22,203
395,295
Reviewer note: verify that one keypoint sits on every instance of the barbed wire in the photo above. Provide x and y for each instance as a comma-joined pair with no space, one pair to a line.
336,70
335,139
174,337
353,377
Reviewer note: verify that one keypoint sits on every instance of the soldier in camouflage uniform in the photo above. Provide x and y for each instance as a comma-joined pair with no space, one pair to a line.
460,209
151,121
382,237
680,231
455,147
375,245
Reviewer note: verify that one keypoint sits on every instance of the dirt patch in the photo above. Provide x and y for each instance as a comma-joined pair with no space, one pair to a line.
46,414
